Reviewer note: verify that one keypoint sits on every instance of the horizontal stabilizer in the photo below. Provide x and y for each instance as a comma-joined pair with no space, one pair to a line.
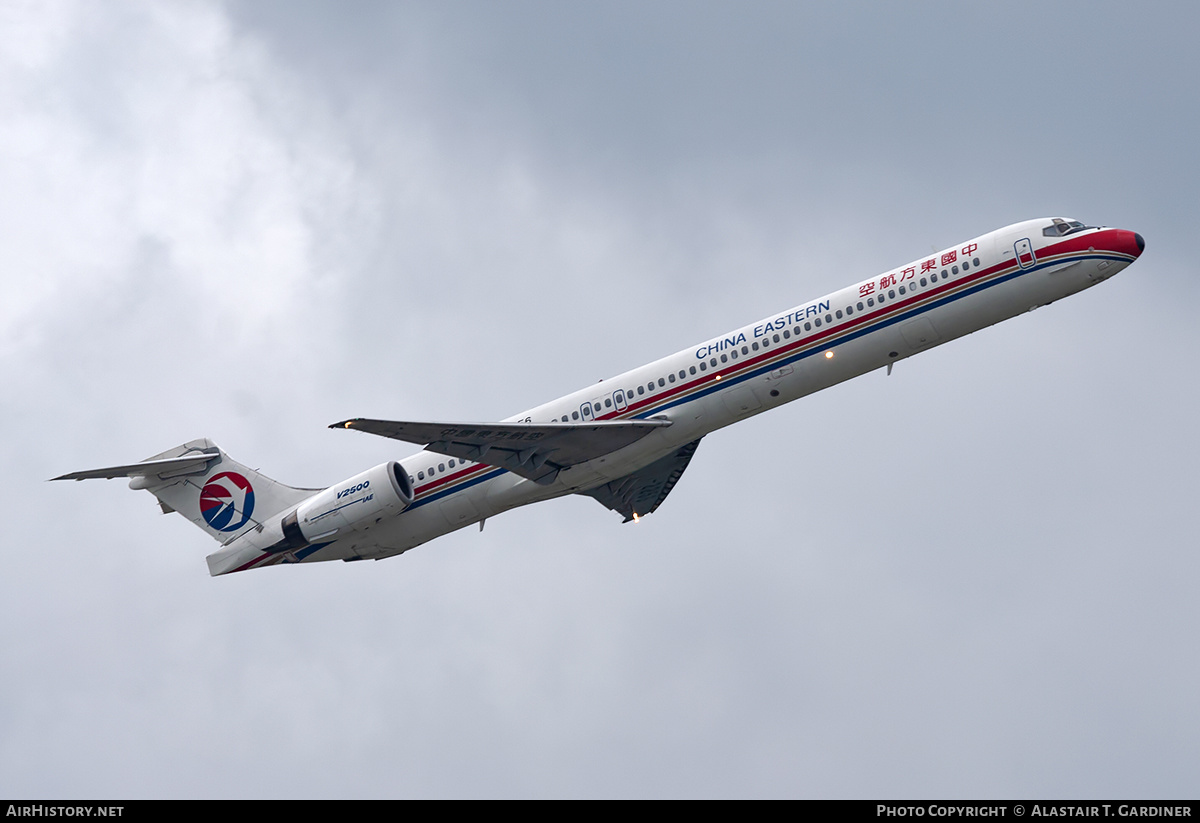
207,487
535,451
164,469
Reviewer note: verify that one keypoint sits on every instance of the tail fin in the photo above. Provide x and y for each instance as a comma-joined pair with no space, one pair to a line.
205,485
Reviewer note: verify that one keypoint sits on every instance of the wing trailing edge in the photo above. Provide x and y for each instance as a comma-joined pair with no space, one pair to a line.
535,451
641,492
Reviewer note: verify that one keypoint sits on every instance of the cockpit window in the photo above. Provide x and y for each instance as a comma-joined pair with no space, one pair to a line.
1060,227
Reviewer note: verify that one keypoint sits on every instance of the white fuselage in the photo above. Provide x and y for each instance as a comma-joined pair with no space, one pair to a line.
765,364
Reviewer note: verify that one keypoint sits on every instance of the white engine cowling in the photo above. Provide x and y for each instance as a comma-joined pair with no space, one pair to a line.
357,503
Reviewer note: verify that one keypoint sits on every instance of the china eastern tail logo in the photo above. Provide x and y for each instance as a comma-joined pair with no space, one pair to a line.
227,501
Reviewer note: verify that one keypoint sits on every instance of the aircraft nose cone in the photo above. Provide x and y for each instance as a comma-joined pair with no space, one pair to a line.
1127,242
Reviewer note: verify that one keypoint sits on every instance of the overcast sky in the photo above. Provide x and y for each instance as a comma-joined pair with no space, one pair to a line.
974,578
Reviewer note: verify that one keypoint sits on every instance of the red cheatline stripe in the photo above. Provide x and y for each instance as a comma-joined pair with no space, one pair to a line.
1071,246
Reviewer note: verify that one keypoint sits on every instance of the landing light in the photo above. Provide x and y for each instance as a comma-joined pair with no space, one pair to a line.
636,519
828,355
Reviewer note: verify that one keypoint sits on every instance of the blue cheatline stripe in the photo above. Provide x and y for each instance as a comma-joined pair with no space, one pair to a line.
816,347
315,547
457,487
810,349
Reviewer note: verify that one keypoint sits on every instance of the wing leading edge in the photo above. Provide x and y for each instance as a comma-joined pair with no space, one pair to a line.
535,451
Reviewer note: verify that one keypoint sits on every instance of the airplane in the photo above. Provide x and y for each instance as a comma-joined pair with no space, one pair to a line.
625,441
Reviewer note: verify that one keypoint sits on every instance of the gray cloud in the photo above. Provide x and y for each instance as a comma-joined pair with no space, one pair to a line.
246,221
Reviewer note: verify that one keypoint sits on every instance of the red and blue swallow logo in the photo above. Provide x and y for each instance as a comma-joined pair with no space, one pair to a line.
227,501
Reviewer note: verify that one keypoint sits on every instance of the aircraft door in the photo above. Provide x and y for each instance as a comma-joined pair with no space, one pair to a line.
1025,255
741,401
619,400
919,333
585,411
459,510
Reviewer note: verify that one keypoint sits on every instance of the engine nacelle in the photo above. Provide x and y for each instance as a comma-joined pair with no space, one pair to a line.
360,501
354,504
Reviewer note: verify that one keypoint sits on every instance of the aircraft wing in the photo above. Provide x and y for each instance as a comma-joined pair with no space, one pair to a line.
535,451
643,491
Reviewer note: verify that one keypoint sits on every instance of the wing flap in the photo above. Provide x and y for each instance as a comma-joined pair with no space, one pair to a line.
536,451
641,492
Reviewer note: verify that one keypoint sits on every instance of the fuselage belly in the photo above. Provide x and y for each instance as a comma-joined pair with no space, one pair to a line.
866,327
